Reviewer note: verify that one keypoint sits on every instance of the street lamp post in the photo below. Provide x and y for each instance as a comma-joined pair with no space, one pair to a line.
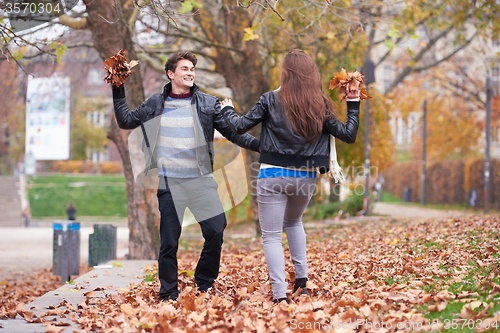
487,148
369,73
424,138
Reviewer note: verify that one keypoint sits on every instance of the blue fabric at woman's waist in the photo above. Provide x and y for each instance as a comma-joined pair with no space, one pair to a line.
282,172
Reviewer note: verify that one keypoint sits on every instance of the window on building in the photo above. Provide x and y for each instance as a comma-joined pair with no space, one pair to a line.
97,118
387,77
495,134
95,156
94,76
495,80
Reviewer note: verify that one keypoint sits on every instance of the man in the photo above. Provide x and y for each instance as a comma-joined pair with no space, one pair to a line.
178,128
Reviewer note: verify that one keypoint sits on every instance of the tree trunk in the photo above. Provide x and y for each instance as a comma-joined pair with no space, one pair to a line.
334,191
109,38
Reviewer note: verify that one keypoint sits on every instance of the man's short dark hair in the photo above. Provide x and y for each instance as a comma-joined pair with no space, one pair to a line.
173,60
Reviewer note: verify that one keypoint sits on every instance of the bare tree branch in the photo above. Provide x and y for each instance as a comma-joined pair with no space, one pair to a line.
5,32
6,57
41,52
274,9
73,23
419,56
154,63
185,34
139,4
423,68
382,59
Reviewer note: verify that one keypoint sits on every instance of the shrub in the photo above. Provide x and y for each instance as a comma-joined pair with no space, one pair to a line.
111,167
87,167
446,182
353,204
323,211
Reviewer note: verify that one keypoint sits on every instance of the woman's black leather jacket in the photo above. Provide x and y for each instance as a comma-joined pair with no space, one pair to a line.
280,145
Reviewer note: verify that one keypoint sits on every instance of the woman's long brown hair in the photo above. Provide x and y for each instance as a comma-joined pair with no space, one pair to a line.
302,97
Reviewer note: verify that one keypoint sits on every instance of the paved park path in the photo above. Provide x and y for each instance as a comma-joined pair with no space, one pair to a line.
408,211
28,249
106,276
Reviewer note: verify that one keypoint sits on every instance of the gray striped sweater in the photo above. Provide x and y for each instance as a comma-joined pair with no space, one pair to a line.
176,141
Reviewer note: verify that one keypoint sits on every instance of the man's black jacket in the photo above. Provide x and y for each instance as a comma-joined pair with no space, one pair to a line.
206,117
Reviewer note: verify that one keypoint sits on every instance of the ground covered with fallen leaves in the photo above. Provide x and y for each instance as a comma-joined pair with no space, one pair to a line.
369,276
22,288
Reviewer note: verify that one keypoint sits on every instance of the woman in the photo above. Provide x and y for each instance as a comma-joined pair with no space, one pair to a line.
297,121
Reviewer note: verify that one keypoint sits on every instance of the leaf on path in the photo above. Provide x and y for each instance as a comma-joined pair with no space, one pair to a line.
117,263
51,328
26,314
54,312
127,309
311,286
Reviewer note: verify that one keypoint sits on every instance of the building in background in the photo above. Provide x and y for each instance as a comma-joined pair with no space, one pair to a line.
466,73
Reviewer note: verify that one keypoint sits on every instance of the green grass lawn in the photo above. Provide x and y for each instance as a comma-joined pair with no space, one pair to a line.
92,195
388,197
101,196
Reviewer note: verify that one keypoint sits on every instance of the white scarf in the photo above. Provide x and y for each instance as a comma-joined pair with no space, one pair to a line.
335,170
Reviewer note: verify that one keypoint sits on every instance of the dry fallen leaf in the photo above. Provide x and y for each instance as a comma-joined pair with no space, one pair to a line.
51,328
127,309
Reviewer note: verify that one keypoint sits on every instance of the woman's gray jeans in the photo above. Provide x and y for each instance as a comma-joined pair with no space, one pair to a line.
282,201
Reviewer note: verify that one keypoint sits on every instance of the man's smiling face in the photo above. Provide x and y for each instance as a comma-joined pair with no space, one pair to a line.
183,77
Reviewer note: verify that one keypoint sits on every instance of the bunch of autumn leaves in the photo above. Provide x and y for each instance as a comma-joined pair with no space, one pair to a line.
118,68
354,80
118,71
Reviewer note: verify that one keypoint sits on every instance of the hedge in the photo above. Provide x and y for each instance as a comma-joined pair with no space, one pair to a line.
447,182
87,167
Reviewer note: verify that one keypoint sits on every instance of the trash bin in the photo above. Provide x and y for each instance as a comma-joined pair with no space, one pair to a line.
66,249
407,194
102,244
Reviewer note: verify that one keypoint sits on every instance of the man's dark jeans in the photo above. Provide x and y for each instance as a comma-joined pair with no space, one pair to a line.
200,195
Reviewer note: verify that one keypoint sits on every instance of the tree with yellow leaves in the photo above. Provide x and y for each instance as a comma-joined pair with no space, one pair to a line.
453,125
